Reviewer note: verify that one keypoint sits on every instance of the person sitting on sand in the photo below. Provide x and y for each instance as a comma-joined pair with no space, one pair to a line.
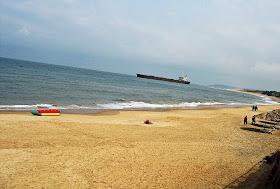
245,120
148,122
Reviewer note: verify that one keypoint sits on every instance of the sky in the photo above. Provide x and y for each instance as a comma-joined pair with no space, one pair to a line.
230,42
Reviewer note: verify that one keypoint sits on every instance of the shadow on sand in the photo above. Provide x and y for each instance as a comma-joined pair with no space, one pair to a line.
251,129
252,177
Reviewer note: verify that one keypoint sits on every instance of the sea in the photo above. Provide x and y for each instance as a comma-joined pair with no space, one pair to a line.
26,85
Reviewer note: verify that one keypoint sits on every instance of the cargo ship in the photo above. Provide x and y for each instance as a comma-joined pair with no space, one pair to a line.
182,79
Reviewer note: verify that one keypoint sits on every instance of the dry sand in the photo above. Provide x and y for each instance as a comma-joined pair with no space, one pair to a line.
208,148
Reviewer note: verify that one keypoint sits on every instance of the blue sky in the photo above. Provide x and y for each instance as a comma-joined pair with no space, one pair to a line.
233,42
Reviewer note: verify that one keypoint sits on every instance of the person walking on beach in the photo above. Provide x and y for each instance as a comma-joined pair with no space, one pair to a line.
253,120
245,120
253,107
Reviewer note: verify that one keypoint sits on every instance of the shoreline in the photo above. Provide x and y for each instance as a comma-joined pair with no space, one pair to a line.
199,106
275,99
92,111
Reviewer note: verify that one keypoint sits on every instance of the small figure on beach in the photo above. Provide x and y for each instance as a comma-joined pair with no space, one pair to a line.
148,122
245,120
253,120
254,108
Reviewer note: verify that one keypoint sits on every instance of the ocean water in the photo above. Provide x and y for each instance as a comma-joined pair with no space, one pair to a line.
26,85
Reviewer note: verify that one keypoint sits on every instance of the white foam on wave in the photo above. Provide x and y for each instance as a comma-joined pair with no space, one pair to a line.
109,106
140,105
44,106
266,100
27,107
132,105
270,101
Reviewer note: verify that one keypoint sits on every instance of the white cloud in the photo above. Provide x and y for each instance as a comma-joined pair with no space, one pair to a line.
24,31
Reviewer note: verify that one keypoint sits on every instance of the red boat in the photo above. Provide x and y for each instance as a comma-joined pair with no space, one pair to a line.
46,112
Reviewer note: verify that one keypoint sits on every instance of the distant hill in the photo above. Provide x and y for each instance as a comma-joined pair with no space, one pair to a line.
219,86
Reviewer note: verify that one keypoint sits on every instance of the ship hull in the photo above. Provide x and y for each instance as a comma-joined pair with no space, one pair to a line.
162,79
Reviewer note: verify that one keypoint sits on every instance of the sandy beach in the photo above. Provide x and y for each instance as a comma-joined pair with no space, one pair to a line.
206,148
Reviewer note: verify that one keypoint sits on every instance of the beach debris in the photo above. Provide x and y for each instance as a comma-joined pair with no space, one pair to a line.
271,125
147,122
273,115
46,112
272,118
267,131
276,127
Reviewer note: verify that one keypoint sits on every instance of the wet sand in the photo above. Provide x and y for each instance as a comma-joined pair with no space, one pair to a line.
205,148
